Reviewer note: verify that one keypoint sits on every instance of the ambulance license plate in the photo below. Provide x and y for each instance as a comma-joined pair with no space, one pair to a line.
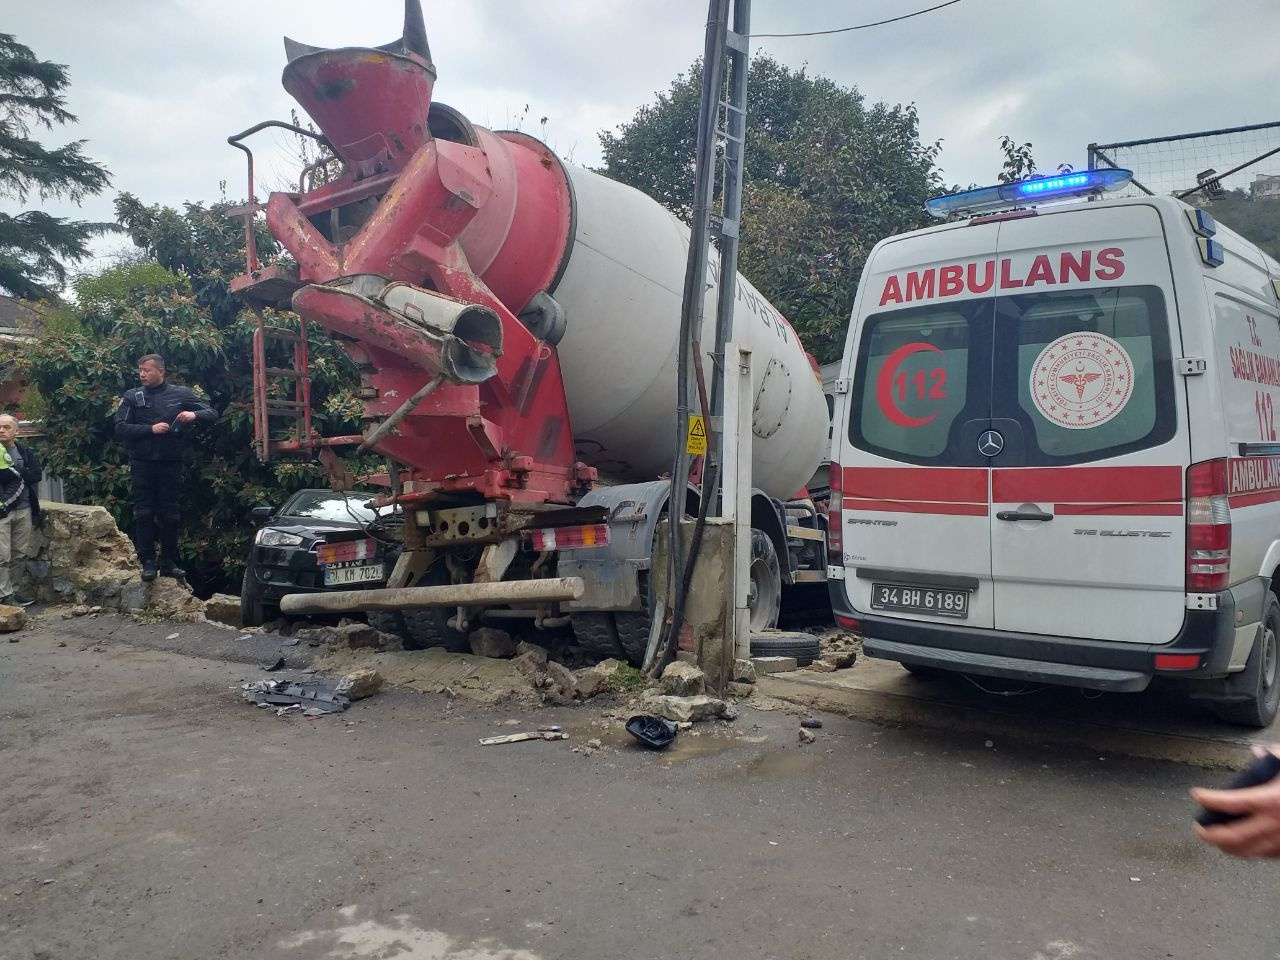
930,600
342,574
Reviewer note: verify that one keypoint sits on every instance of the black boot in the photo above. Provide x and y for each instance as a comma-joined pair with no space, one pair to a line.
148,571
170,569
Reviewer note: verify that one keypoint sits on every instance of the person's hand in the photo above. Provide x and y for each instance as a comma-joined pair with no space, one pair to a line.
160,427
1257,832
186,416
4,511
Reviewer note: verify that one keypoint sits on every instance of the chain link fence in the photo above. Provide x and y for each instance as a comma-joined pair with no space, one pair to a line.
1211,162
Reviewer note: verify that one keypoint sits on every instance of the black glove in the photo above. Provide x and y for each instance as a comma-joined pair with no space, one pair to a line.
4,511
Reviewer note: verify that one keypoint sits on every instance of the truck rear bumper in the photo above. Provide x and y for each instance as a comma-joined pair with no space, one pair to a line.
1093,664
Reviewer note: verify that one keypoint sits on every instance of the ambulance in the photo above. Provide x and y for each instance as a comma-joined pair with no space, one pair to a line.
1056,456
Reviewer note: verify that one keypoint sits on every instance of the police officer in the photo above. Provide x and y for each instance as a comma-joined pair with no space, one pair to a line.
152,421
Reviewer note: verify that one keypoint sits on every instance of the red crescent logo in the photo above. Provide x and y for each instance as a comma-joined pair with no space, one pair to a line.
884,387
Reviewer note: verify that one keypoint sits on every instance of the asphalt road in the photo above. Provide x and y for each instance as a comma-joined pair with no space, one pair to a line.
147,812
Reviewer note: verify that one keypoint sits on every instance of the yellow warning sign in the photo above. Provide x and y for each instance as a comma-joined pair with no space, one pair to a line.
696,442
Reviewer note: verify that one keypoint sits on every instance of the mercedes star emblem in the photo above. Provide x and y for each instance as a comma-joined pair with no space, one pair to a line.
990,443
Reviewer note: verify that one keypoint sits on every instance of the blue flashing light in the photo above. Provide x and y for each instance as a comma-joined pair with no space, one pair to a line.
1202,223
1211,251
1005,196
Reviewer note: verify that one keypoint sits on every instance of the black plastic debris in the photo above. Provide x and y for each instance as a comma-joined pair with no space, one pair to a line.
654,732
284,693
811,723
277,664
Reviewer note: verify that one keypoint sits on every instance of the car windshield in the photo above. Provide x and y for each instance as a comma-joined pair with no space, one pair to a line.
328,505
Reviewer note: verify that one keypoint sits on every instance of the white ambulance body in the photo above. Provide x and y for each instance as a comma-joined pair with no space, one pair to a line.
1056,455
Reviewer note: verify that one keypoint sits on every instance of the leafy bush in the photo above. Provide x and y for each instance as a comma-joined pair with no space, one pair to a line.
177,302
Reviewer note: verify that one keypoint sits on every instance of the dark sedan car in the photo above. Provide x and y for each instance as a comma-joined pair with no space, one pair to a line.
319,540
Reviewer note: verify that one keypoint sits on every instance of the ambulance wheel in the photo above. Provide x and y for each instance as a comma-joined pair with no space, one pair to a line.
429,626
765,575
1261,676
597,635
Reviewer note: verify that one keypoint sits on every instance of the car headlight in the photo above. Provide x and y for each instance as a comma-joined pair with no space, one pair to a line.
266,537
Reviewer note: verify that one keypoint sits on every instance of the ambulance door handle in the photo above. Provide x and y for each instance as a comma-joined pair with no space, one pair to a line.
1024,515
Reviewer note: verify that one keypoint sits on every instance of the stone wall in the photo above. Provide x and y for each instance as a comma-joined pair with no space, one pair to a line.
82,557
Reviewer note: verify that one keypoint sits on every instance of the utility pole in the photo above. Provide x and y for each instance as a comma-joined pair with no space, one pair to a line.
724,75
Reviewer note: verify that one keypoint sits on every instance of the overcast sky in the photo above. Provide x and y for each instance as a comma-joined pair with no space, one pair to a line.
158,85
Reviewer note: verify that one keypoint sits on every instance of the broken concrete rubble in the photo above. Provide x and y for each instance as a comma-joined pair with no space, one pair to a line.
595,680
774,664
492,642
532,650
224,608
692,709
744,671
359,684
681,679
562,679
807,736
12,619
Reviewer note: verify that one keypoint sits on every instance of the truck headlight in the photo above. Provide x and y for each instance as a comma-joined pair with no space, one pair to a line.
266,537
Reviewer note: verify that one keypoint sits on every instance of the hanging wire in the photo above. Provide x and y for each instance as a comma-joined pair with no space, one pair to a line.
861,26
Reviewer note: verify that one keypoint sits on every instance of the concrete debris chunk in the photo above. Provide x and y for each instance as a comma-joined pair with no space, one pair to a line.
529,665
80,610
525,648
224,608
821,666
492,642
679,709
12,619
562,679
595,680
807,736
744,671
682,679
359,684
774,664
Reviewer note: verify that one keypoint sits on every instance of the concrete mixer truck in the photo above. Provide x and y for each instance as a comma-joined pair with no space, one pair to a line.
515,322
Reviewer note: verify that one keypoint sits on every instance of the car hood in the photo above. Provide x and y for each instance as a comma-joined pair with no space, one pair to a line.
315,528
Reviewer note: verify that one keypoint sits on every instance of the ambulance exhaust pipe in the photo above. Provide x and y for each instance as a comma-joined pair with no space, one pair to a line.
447,595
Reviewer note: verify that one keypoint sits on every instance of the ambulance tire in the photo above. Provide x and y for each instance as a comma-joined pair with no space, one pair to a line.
595,632
1261,675
427,627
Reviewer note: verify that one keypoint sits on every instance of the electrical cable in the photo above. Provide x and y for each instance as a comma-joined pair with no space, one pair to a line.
861,26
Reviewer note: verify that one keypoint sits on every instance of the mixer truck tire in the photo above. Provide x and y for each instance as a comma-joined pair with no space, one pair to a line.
633,628
765,598
596,633
390,622
429,626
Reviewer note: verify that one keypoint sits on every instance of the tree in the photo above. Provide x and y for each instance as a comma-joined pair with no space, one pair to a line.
35,244
175,301
826,177
1019,164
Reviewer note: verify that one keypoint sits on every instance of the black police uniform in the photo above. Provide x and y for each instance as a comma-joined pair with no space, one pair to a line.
156,462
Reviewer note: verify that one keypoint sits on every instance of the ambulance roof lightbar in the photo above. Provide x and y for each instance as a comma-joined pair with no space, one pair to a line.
1004,196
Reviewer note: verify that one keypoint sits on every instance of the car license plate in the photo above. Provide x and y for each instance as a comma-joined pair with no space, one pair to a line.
341,574
930,600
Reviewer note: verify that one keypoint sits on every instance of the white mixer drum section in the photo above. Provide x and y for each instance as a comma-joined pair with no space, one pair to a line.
620,293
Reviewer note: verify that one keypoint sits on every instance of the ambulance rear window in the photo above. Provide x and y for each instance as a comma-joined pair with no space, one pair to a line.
913,379
1090,371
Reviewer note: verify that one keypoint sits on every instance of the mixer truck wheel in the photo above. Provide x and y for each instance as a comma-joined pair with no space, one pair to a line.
389,622
596,634
765,599
429,626
633,628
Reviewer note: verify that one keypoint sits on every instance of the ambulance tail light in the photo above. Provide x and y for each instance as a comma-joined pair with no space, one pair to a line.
1208,527
835,527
